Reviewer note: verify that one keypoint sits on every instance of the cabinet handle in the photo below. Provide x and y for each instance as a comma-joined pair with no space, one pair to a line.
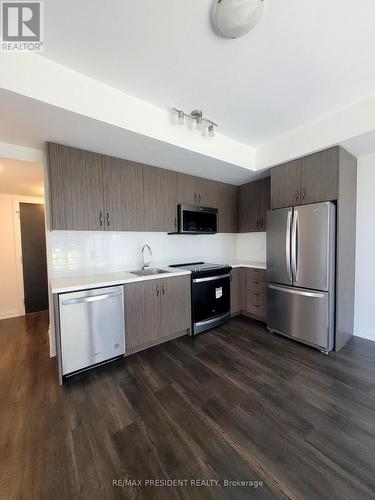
157,291
303,193
101,219
175,222
195,198
297,194
108,219
163,290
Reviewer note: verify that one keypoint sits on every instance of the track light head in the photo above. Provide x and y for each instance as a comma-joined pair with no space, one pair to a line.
211,131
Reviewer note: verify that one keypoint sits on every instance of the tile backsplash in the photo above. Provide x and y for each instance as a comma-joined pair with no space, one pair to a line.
76,253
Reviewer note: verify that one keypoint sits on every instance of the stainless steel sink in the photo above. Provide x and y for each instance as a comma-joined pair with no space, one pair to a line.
148,272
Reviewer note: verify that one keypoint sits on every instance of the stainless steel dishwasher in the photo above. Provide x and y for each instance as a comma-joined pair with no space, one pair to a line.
92,327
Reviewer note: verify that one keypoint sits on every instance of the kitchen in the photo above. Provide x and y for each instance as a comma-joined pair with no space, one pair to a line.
160,304
209,331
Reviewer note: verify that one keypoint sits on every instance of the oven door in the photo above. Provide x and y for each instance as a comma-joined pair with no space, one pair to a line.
210,301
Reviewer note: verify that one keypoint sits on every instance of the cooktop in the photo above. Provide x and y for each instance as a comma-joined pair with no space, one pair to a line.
200,266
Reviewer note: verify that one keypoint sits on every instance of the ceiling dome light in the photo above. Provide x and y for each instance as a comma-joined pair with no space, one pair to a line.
235,18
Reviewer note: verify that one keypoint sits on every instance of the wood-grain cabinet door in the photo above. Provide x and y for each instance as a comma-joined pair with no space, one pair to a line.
208,194
228,208
142,313
286,184
188,189
235,291
193,190
175,305
123,193
254,201
256,292
244,208
319,176
160,199
76,188
254,195
264,202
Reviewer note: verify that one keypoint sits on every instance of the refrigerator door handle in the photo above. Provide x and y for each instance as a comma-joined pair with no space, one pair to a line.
315,295
287,245
294,246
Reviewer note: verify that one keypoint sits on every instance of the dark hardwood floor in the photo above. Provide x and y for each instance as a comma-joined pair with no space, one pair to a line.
233,404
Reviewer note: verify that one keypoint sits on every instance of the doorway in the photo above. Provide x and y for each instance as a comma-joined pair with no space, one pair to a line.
34,258
22,203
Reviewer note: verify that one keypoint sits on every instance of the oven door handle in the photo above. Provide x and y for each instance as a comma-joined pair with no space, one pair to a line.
211,278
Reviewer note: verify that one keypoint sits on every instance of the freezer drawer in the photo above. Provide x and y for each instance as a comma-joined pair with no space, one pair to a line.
92,327
301,314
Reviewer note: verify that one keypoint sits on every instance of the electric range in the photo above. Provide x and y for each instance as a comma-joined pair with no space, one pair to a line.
210,294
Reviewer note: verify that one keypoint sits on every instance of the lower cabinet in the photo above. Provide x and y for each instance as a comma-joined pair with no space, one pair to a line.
156,310
256,293
236,290
249,292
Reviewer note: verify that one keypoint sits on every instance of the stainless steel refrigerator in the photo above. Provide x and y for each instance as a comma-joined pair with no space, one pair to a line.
301,273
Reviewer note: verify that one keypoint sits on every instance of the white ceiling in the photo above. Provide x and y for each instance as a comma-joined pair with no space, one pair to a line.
32,123
21,178
304,59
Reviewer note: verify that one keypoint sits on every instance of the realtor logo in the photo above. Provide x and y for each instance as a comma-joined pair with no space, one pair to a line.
22,26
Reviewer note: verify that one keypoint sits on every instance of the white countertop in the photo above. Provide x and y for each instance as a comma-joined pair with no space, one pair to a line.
247,263
74,283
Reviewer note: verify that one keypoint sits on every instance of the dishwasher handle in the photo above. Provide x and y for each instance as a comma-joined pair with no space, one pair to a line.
94,298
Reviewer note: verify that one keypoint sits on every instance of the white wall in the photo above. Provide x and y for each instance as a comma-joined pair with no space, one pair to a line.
9,298
364,323
251,246
11,279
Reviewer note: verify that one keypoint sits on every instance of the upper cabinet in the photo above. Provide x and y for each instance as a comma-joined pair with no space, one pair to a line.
227,206
193,190
123,195
286,184
319,176
311,179
253,203
76,189
90,191
160,199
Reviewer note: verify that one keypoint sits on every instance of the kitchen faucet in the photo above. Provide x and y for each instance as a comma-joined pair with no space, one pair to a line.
144,264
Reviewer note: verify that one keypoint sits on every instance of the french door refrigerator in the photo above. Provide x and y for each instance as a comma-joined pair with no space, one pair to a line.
301,273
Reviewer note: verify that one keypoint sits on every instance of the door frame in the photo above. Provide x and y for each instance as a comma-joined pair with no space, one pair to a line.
17,199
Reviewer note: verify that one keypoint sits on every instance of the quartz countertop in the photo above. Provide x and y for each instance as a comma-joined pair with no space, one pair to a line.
74,283
247,263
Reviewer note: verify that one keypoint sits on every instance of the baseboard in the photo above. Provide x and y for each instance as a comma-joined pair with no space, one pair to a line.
52,347
154,343
365,334
11,313
262,319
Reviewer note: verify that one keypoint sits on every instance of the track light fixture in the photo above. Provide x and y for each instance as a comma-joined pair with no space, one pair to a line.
199,119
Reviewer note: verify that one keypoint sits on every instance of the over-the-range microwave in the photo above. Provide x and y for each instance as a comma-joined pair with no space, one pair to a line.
192,219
